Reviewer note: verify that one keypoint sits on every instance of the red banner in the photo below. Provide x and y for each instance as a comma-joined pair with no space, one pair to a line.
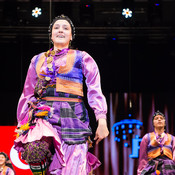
7,136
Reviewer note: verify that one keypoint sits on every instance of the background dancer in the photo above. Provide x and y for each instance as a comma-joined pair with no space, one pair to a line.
6,167
157,149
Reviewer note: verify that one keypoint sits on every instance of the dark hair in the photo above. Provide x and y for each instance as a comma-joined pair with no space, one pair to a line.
7,161
158,113
62,17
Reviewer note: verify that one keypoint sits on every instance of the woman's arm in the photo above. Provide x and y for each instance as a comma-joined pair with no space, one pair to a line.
28,92
96,99
143,158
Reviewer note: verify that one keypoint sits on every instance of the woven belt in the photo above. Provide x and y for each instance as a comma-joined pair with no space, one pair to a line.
66,99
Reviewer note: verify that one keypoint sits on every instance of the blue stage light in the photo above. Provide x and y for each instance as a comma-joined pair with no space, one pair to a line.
157,4
125,144
138,126
124,137
137,136
122,126
130,131
130,125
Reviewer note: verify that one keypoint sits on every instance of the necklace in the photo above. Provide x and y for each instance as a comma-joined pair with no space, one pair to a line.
159,139
51,56
1,169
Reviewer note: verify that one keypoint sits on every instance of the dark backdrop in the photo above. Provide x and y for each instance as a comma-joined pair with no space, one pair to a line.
135,56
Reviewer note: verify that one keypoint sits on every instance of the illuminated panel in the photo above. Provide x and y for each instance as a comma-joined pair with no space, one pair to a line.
127,121
7,136
127,126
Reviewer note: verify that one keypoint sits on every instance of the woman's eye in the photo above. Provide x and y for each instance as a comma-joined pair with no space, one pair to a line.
56,27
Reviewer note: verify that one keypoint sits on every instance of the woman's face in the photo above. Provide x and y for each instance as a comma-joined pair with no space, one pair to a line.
61,33
2,159
159,121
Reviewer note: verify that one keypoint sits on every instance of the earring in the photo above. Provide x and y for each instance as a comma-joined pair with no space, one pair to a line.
51,41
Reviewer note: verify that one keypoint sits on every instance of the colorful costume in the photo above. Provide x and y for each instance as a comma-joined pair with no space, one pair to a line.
7,171
157,154
53,122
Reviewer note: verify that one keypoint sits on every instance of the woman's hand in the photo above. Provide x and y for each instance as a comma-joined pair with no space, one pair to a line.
102,130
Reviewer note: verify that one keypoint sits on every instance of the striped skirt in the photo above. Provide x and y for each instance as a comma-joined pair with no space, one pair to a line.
67,131
165,165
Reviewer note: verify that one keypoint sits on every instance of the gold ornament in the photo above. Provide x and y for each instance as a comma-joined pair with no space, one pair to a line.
49,60
49,65
53,52
47,78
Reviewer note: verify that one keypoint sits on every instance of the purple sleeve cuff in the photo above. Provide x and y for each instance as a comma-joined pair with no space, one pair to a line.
98,116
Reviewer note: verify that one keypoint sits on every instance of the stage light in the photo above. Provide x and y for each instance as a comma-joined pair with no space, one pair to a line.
116,139
130,125
122,126
124,132
36,12
138,126
127,13
157,4
137,136
125,144
124,137
130,131
86,12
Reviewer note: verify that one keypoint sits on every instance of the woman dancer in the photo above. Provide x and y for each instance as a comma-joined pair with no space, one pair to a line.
6,167
157,150
53,123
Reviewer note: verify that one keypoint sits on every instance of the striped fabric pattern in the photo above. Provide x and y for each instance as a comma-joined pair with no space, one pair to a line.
165,166
70,117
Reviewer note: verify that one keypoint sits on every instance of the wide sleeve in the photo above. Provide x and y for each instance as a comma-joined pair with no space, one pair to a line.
95,97
28,92
143,158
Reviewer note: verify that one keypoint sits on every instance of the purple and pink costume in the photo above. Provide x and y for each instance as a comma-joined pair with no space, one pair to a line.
157,153
53,110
